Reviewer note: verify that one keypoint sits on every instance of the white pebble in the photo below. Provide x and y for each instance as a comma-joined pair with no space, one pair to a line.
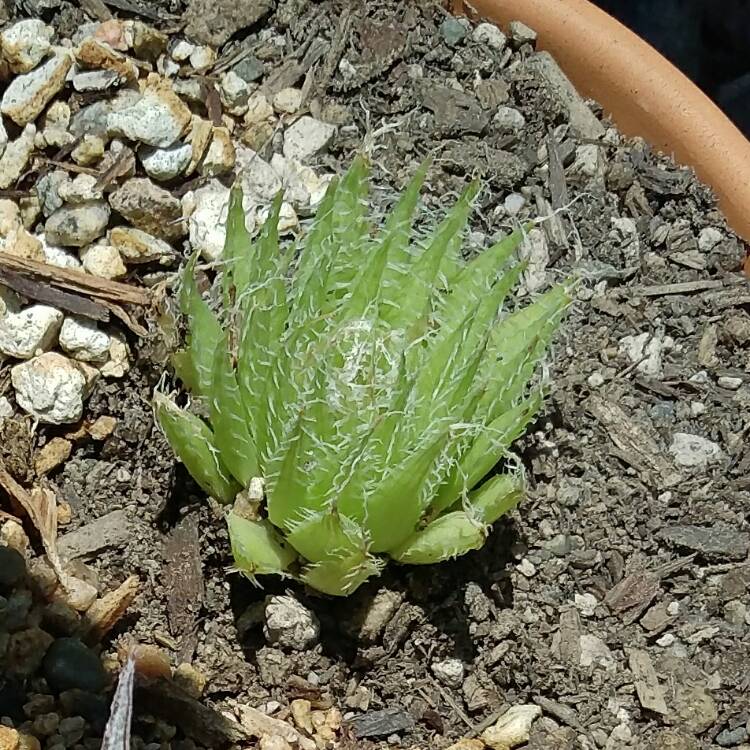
51,388
82,340
30,331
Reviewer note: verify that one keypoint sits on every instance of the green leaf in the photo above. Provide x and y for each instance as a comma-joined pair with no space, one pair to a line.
193,442
341,577
229,420
257,548
418,284
204,332
448,536
495,497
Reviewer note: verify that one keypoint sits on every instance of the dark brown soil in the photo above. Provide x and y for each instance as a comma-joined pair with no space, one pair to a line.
616,550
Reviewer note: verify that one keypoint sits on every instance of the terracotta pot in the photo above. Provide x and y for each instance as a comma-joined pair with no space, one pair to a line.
641,90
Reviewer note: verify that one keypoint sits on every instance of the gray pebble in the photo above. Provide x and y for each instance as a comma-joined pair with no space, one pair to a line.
453,31
12,567
69,663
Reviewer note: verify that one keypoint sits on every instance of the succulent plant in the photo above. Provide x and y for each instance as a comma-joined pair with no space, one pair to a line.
358,394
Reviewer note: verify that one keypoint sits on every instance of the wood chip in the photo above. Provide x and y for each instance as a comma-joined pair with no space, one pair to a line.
48,295
41,507
76,281
634,445
646,682
569,643
106,612
680,287
634,592
183,576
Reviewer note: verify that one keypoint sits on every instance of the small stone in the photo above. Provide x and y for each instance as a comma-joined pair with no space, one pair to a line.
595,380
273,742
288,100
113,32
151,661
182,50
12,567
25,43
508,120
30,331
729,382
453,30
6,409
14,238
137,246
82,340
450,672
302,187
258,109
69,664
514,203
46,724
220,156
732,737
166,163
96,80
25,651
28,94
288,221
51,455
76,226
119,361
9,738
148,43
526,568
103,260
735,613
694,450
16,156
380,611
148,207
199,137
307,137
102,427
71,729
512,728
89,150
258,135
595,651
249,69
51,388
586,604
202,57
260,181
81,189
158,118
289,624
189,88
234,92
92,53
206,209
708,239
467,744
489,34
48,190
55,123
521,34
190,679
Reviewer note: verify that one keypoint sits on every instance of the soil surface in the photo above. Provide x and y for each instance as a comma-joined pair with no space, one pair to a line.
616,596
